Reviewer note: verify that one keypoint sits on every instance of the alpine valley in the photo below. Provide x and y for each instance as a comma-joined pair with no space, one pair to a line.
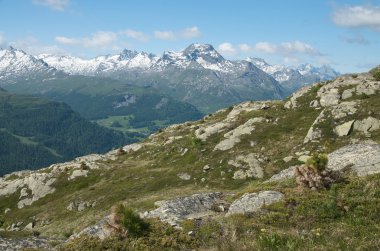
296,174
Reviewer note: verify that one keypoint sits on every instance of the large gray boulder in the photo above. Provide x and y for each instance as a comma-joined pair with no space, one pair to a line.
253,202
194,206
369,124
362,159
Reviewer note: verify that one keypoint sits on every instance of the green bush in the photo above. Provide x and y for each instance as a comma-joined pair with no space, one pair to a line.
318,161
376,75
131,221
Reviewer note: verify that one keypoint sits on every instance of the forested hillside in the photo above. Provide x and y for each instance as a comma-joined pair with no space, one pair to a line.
36,132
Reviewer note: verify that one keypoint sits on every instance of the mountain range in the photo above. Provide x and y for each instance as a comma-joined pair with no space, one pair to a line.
198,75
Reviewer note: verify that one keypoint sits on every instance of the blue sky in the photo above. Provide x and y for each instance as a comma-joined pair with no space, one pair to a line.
344,34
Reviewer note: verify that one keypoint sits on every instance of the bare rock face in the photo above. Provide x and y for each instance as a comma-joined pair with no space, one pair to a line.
174,211
253,202
315,133
330,97
362,159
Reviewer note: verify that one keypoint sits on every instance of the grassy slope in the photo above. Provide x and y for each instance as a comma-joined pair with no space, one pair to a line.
344,217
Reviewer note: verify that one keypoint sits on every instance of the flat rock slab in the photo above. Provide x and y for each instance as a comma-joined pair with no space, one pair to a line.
174,211
253,202
362,159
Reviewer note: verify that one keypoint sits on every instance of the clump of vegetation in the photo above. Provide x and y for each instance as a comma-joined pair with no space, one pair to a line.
127,222
84,166
376,75
314,175
121,151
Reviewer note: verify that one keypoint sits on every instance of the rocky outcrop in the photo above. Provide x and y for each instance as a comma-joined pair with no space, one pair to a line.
101,229
330,97
194,206
344,109
361,159
80,205
233,136
292,103
369,124
249,165
35,243
253,202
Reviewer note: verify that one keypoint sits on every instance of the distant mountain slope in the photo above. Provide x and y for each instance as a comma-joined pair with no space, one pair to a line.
294,78
35,132
141,110
198,75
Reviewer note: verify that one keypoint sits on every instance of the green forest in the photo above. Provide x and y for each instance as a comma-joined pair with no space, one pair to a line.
36,132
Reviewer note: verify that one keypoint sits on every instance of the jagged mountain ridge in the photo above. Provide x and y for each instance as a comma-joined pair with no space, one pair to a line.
295,78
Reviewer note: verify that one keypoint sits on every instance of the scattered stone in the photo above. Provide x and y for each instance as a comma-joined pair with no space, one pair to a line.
171,139
203,179
132,147
194,206
206,168
287,159
7,210
253,202
80,205
344,129
203,133
184,176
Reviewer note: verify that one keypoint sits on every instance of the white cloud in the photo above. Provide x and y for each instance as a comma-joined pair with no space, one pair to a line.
297,47
60,5
245,47
285,48
191,32
266,47
358,17
67,41
164,35
97,39
227,48
138,35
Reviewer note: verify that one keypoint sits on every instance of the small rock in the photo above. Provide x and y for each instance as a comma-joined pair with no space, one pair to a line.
206,168
369,124
7,210
24,193
347,93
203,179
191,233
29,227
287,159
304,158
314,103
184,176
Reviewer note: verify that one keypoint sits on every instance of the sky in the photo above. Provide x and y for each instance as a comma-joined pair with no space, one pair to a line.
342,33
